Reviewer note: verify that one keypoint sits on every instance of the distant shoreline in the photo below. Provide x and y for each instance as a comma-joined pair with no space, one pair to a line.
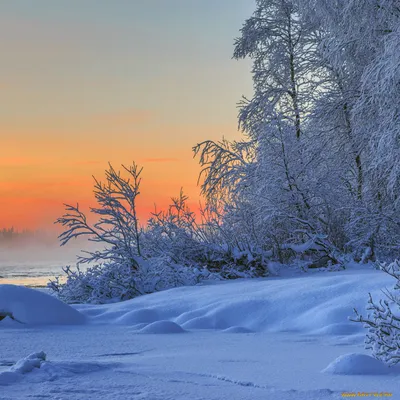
39,282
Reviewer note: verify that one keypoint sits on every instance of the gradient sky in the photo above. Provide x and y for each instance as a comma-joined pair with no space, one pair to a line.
83,83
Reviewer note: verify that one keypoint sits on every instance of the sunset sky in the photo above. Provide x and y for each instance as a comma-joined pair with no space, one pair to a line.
83,83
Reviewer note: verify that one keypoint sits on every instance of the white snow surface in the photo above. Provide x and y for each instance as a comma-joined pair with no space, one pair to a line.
33,307
358,364
286,338
162,327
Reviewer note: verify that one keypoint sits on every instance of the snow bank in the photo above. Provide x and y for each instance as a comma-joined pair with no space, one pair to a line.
162,327
357,364
129,361
139,316
10,323
29,306
237,329
27,364
23,366
35,368
318,304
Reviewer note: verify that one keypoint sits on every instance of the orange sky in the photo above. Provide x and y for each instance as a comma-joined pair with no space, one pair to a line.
82,85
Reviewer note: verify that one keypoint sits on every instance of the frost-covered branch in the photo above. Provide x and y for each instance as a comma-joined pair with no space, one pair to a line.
117,227
383,320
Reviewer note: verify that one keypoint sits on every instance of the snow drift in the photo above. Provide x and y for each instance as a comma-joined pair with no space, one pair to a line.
357,364
320,305
29,306
216,341
162,327
23,366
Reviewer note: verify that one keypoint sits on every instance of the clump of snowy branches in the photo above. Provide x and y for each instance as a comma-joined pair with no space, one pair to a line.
201,241
116,226
111,282
174,249
115,267
383,320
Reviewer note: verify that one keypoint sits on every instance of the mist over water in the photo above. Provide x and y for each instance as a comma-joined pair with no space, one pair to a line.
34,264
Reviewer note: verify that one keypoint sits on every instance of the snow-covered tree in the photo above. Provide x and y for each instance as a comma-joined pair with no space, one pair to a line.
281,192
359,45
116,264
176,247
383,320
116,226
282,46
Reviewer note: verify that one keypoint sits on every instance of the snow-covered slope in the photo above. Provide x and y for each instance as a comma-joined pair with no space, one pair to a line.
318,304
29,306
257,339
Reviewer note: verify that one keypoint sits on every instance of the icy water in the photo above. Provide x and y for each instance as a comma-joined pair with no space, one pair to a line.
35,274
33,266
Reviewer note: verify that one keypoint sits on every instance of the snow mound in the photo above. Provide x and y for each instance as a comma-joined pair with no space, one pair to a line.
31,306
10,323
50,371
35,368
143,315
237,329
139,326
319,304
162,327
27,364
23,366
343,329
206,322
356,364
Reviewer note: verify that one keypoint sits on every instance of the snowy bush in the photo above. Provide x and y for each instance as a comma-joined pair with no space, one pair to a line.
383,321
179,235
117,226
116,263
98,284
112,282
175,249
118,282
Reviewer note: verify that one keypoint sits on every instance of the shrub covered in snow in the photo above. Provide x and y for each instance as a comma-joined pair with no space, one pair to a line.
202,241
383,321
113,282
175,249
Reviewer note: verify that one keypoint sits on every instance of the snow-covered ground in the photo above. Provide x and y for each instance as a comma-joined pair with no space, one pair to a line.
284,338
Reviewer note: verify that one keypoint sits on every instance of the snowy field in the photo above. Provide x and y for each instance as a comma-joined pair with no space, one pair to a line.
257,339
